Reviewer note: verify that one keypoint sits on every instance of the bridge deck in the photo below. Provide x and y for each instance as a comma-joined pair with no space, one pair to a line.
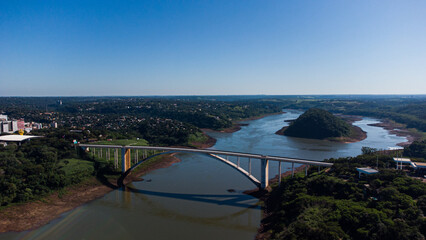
217,152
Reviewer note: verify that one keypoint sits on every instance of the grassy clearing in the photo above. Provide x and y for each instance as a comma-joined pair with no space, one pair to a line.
198,137
73,166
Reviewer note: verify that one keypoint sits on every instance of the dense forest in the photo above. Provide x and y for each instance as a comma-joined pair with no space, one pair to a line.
37,167
336,204
416,150
318,124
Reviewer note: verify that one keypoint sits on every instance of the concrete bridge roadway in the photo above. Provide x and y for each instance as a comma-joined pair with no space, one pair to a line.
126,163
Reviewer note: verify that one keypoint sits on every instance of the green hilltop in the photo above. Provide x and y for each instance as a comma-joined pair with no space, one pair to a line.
318,124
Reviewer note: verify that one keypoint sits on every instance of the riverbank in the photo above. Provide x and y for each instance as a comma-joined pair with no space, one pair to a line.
31,215
394,128
236,125
208,143
265,197
399,130
263,194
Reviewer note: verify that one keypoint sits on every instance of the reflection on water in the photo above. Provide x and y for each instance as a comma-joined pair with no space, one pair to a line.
189,200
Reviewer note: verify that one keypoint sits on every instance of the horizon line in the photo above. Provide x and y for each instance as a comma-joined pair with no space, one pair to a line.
227,95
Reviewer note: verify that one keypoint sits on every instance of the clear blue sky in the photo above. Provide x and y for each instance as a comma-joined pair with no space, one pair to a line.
79,48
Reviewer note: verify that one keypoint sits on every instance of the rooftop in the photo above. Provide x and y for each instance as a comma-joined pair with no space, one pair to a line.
367,170
403,160
395,148
420,164
16,138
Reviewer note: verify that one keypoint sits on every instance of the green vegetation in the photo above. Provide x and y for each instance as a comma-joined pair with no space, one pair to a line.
75,170
167,132
407,110
197,138
31,171
335,204
318,124
46,164
417,149
124,142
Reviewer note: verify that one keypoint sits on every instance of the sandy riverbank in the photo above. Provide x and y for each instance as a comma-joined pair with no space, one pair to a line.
31,215
399,130
393,127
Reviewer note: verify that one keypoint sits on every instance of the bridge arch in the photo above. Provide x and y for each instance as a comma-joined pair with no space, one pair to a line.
245,173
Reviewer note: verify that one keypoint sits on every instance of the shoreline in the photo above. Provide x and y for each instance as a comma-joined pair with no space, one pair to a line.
236,125
31,215
207,144
394,128
261,194
265,196
357,135
398,130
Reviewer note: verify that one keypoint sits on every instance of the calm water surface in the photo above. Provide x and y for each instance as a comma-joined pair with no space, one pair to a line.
190,200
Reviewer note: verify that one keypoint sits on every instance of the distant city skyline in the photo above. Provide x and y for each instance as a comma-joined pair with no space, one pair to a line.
143,48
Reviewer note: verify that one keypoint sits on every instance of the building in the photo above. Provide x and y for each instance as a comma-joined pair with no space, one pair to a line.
37,126
3,118
9,126
21,124
16,138
4,127
366,171
14,126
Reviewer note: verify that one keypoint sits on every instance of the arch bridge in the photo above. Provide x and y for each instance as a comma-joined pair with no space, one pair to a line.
128,164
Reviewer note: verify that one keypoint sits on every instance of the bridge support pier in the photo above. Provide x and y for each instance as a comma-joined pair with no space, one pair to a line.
279,173
125,159
116,158
264,168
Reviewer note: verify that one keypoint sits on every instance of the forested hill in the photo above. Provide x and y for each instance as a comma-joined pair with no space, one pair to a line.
318,124
337,204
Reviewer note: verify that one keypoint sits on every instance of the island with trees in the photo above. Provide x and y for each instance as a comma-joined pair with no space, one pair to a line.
316,123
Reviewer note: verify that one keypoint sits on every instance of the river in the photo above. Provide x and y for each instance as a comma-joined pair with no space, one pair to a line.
190,199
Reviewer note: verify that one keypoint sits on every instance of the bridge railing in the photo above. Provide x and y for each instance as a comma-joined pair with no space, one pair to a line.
126,162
